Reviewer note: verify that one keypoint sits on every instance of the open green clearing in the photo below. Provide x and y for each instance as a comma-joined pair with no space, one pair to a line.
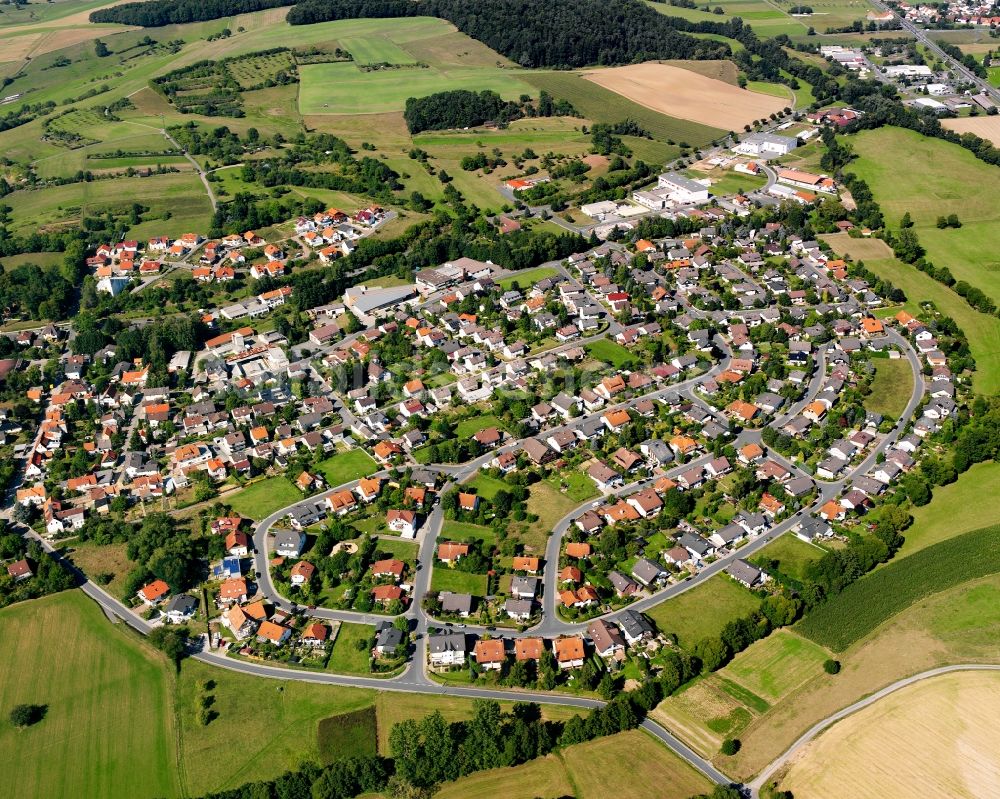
261,499
550,505
892,387
610,352
573,484
955,509
463,531
353,734
865,604
487,486
792,553
983,331
469,427
346,466
343,88
107,730
446,579
773,667
704,611
346,657
527,278
941,179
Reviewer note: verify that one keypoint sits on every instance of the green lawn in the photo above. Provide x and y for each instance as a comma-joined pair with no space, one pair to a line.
578,486
261,499
891,387
792,553
344,467
942,179
469,427
487,486
735,183
526,278
703,611
445,579
550,505
610,352
107,730
463,531
346,658
405,551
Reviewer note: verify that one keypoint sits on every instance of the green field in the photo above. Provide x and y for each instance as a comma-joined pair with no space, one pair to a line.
867,603
107,730
487,486
346,466
261,499
469,427
892,387
775,666
955,509
352,734
703,611
528,277
982,331
445,579
463,531
602,105
792,553
942,179
573,484
346,658
734,183
610,352
343,88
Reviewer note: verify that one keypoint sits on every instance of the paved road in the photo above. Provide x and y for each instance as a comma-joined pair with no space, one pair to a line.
820,726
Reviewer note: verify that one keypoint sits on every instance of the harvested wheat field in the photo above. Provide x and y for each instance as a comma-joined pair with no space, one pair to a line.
985,127
935,738
685,94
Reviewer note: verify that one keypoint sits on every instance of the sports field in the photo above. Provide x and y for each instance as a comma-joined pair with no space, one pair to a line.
935,738
687,95
940,179
107,730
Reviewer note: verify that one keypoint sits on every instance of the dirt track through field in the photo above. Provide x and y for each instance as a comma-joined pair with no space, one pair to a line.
684,94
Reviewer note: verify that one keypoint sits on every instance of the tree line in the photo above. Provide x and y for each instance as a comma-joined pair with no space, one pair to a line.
461,108
157,13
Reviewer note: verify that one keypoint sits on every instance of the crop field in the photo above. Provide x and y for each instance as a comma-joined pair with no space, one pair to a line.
687,95
107,730
599,104
935,738
943,179
343,88
792,553
376,50
703,611
985,127
865,604
982,331
261,499
774,667
891,387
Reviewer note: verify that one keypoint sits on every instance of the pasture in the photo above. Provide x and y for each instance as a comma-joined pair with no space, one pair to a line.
703,611
942,179
935,738
687,95
891,387
261,499
107,729
982,331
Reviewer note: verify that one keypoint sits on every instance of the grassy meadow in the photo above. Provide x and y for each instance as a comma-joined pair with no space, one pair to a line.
703,611
261,499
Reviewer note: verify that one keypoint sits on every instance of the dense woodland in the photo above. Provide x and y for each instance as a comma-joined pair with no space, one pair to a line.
157,13
465,109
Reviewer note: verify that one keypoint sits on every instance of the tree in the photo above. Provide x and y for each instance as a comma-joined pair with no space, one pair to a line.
730,747
831,666
22,716
172,641
101,49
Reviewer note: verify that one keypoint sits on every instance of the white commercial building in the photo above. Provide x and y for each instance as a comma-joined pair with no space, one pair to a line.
768,145
681,189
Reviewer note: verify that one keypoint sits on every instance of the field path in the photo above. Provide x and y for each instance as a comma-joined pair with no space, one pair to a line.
819,726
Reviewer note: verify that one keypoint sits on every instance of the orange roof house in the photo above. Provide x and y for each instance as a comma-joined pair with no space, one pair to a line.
526,564
569,651
154,592
449,551
490,653
576,549
528,648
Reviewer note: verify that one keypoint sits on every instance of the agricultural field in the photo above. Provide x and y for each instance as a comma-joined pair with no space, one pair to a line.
261,499
891,387
983,126
346,466
632,765
348,735
942,179
982,331
724,703
867,603
687,95
107,724
703,611
934,738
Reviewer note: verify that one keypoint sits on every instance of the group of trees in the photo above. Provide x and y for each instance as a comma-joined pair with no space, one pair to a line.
465,109
176,12
342,779
50,576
